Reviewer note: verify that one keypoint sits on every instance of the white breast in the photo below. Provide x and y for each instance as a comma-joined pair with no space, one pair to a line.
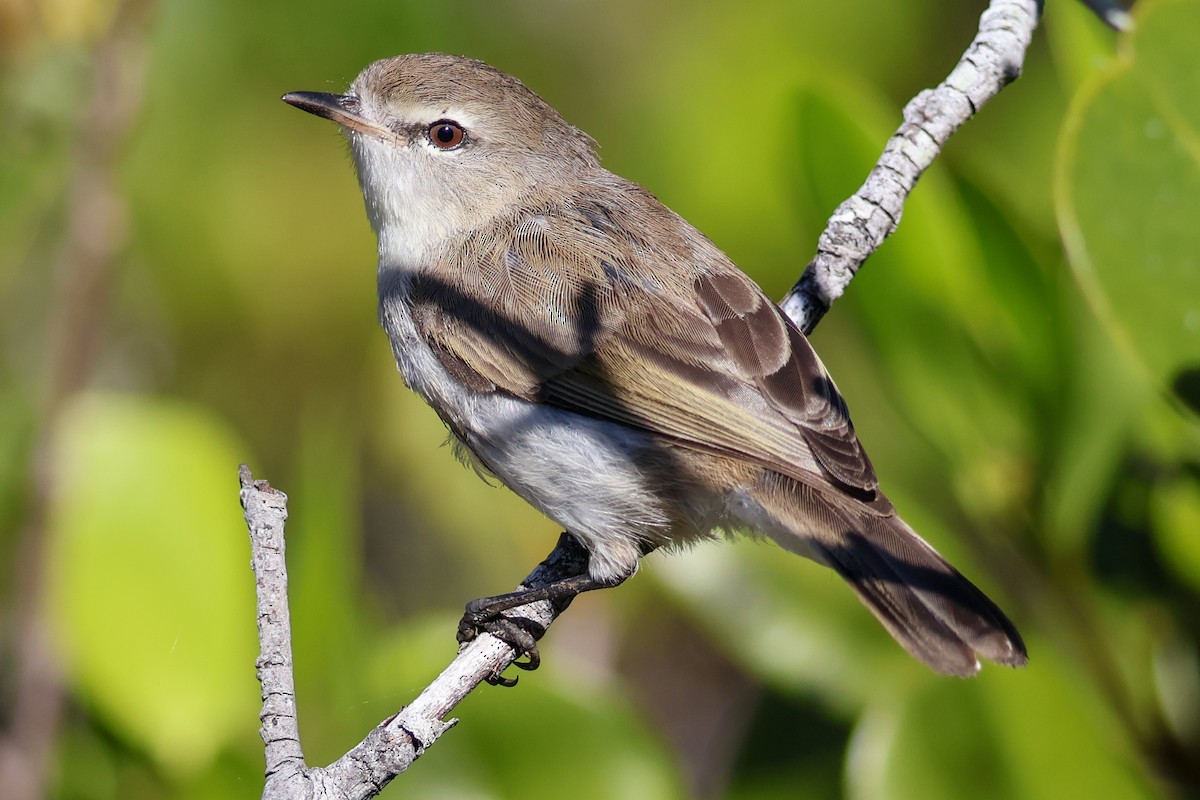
588,475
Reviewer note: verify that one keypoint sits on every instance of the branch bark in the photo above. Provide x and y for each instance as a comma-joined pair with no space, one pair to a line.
855,230
860,224
396,742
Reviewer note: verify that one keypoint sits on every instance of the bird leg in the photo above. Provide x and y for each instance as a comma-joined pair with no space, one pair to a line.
565,572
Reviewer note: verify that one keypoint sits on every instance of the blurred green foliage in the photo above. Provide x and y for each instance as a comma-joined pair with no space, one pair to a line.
1022,359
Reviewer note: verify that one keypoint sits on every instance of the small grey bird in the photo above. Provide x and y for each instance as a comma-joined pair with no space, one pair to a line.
609,364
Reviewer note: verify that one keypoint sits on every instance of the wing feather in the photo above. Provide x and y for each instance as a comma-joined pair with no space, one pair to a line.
582,311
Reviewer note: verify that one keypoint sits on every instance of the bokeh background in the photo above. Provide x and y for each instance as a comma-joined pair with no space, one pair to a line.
187,283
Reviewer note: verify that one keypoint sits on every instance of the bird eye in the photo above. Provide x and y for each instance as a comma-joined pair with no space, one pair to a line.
446,135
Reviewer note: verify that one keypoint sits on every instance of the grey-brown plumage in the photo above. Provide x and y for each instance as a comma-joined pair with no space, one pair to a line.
609,363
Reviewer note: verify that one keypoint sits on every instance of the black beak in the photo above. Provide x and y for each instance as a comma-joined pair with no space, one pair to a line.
344,109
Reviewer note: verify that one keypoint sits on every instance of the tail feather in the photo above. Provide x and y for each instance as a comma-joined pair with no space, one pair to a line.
936,614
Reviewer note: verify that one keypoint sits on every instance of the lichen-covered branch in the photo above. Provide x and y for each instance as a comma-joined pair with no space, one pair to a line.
870,215
396,742
265,510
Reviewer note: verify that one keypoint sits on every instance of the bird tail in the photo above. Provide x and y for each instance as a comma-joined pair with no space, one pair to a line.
935,613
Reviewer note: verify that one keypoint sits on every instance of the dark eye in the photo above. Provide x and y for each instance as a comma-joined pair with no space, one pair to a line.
446,135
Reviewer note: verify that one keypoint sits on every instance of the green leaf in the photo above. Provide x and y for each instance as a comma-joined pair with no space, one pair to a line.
1058,735
1036,732
151,594
784,619
933,740
1101,398
1128,190
1076,43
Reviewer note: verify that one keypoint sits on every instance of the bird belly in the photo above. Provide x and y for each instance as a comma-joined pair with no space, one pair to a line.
610,485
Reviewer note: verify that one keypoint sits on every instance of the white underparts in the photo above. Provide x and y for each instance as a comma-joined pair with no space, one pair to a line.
590,476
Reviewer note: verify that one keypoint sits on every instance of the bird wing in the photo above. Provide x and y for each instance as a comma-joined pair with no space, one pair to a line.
643,322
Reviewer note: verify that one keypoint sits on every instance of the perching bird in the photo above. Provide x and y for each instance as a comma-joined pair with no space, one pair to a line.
609,364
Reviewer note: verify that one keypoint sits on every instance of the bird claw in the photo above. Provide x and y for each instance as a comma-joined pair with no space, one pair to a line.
520,634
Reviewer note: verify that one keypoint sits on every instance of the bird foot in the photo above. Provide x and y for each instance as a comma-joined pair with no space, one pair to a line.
485,615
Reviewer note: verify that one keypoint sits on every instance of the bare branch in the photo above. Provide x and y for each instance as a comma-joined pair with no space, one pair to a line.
396,742
266,512
861,223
